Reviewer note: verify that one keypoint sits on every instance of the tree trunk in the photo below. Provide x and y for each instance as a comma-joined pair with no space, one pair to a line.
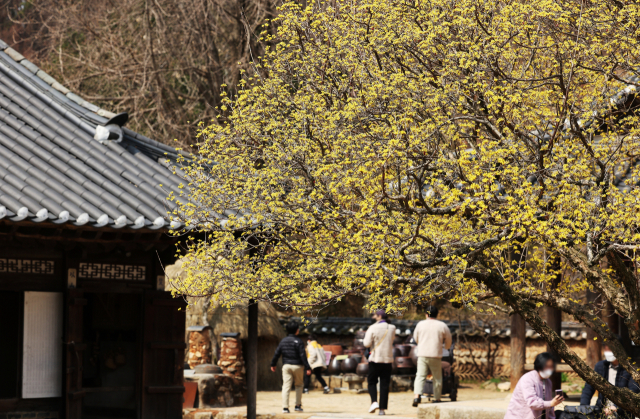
518,348
554,320
611,318
594,346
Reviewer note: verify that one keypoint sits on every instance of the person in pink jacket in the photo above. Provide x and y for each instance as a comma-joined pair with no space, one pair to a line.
533,396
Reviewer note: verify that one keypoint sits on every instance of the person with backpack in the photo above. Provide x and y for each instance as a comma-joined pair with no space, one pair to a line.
318,362
294,365
430,335
379,338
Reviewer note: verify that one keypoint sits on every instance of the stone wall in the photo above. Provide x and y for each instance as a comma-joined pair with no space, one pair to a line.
475,349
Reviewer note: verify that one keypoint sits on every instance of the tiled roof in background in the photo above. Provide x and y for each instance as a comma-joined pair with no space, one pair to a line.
347,326
52,167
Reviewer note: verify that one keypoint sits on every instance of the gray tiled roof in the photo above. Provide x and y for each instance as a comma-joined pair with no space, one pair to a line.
52,169
349,326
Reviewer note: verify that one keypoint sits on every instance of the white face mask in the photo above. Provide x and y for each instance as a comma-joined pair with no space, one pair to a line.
609,356
546,373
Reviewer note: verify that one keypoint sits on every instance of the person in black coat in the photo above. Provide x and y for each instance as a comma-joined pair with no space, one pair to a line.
607,368
294,365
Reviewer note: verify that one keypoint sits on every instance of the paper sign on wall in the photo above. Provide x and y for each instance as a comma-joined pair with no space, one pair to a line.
42,348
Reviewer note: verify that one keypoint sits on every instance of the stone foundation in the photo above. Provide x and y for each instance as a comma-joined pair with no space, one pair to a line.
219,390
353,381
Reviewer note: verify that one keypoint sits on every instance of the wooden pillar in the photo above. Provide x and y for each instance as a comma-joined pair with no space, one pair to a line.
518,340
252,360
554,321
594,346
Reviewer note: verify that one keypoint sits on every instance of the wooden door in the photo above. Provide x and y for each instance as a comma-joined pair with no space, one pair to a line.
74,350
163,356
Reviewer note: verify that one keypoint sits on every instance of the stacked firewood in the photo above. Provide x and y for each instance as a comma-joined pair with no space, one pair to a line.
199,347
231,360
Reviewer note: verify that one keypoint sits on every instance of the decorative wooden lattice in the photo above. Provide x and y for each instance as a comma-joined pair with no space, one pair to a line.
112,272
27,266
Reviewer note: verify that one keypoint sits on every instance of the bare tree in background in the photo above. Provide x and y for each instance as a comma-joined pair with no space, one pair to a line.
166,62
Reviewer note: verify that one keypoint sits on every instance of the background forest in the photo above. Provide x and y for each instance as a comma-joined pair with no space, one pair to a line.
168,63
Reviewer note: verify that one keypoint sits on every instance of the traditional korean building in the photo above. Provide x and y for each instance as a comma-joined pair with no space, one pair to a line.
86,327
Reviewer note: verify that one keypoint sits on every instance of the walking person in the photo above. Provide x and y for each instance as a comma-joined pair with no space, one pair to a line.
533,396
318,362
430,335
379,338
294,365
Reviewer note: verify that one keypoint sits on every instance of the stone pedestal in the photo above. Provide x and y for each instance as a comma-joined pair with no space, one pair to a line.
353,381
219,390
401,383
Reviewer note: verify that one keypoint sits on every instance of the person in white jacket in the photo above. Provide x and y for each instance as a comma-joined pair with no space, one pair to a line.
379,339
317,361
432,336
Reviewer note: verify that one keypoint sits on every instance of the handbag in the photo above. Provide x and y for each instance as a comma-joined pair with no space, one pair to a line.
581,412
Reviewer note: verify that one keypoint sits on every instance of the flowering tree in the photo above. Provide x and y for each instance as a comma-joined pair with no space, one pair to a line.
411,150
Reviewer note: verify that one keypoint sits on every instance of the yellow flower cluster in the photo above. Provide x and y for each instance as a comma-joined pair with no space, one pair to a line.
408,150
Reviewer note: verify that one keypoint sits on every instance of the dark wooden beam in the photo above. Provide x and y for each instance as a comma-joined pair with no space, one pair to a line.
252,360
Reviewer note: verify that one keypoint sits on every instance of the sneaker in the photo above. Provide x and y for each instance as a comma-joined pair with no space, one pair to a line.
327,390
305,391
285,410
374,406
381,412
416,402
299,408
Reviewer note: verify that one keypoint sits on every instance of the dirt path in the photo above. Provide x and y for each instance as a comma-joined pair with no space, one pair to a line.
349,404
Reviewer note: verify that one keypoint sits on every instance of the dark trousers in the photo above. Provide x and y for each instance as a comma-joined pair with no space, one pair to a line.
382,372
318,373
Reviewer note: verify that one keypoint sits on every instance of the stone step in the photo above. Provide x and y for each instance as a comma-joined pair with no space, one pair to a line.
452,411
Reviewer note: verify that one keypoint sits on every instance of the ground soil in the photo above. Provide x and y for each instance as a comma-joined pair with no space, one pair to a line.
349,404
